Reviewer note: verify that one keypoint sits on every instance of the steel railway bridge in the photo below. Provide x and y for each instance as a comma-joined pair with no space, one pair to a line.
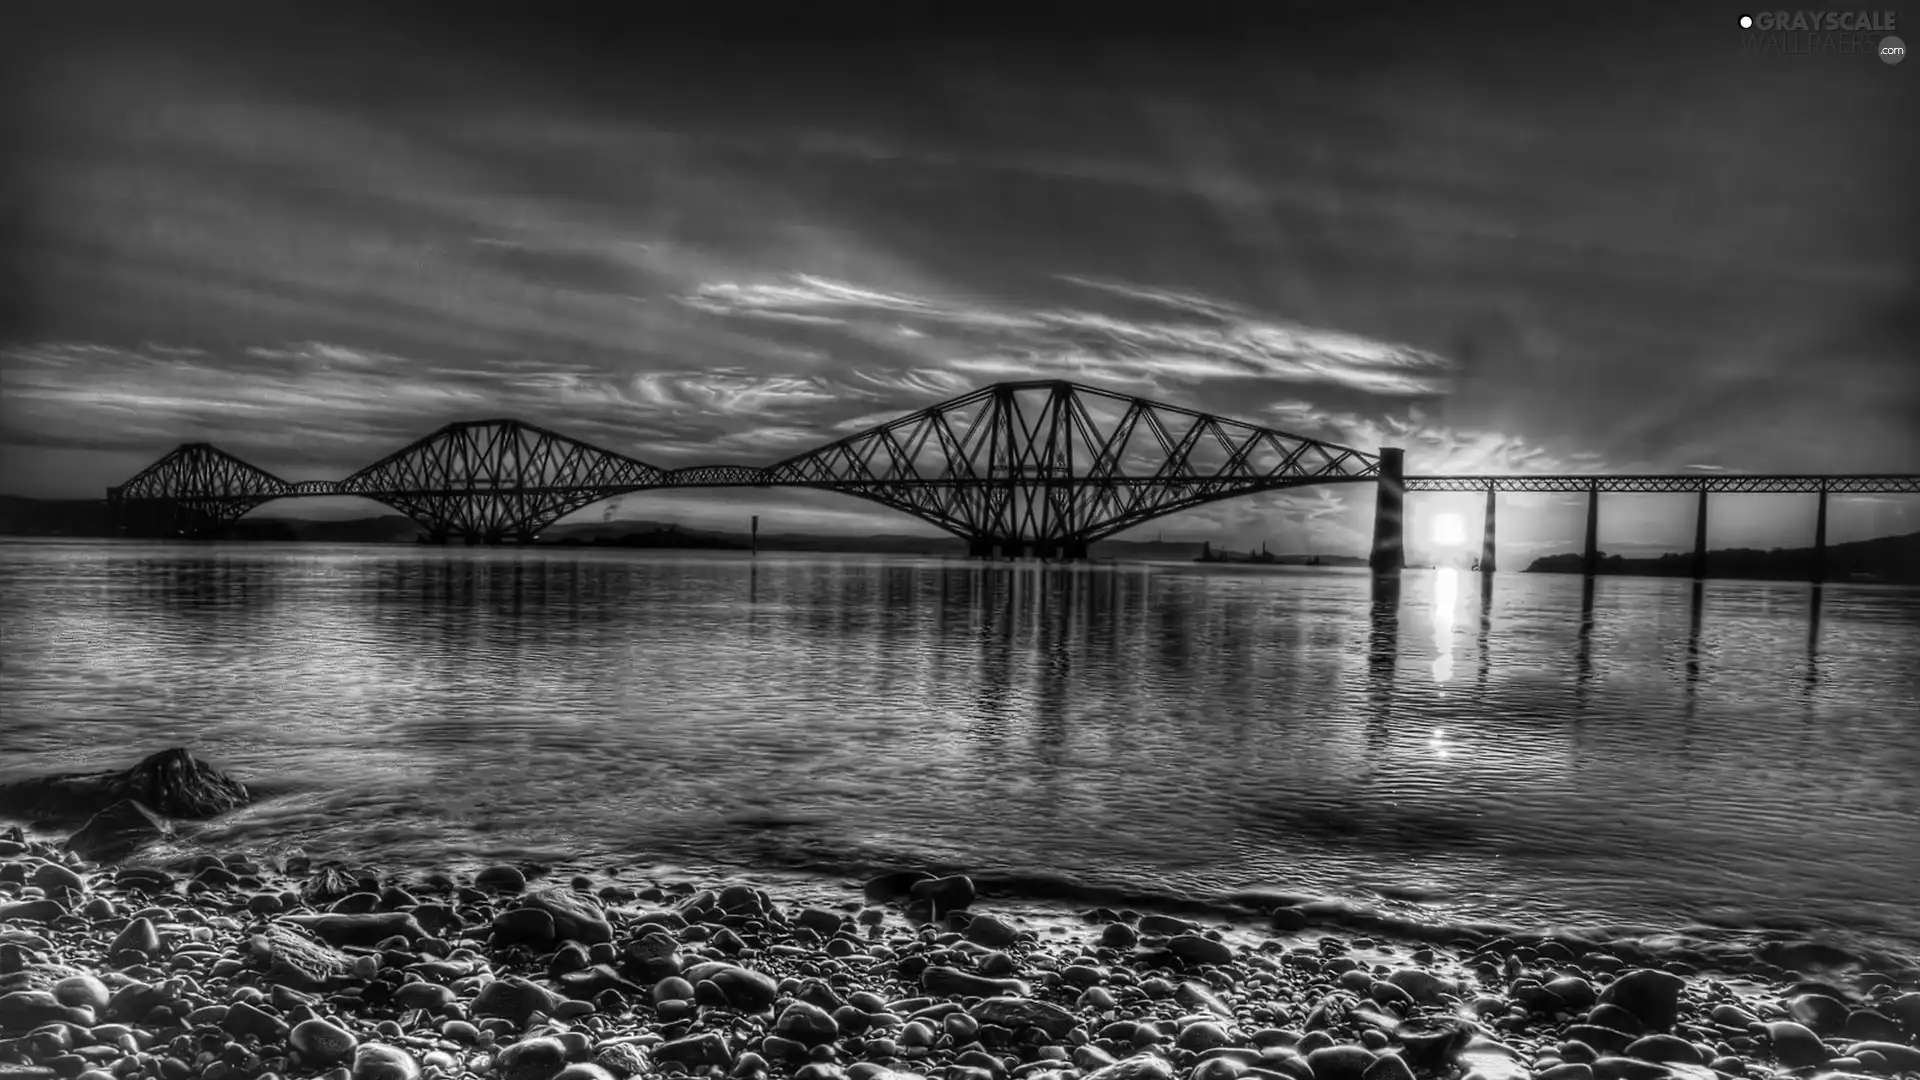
1039,468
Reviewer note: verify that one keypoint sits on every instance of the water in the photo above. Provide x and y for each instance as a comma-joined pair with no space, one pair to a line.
1520,754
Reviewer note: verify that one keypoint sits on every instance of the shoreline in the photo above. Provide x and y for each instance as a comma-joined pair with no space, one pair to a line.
227,969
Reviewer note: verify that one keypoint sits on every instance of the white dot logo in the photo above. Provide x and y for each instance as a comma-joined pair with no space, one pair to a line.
1746,22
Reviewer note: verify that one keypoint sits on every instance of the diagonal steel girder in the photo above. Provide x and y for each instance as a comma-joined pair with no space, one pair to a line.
1053,463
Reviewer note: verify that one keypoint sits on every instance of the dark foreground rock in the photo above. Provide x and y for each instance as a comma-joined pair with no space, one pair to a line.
218,969
171,783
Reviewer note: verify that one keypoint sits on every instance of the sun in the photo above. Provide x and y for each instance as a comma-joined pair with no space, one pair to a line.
1447,530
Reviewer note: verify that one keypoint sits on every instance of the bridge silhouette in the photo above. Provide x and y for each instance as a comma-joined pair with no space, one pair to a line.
1033,468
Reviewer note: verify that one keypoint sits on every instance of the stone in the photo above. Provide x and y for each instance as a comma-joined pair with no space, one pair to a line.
431,997
83,991
806,1023
1666,1049
1898,1057
991,931
584,1070
1015,1013
895,886
531,1059
172,783
954,893
695,1051
1425,987
745,989
1137,1067
501,879
575,916
1569,1070
40,911
1388,1067
137,936
1344,1062
293,958
361,930
23,1010
1194,949
54,879
380,1061
322,1042
118,831
952,982
1651,995
244,1019
1795,1044
1201,1036
523,926
514,998
1822,1013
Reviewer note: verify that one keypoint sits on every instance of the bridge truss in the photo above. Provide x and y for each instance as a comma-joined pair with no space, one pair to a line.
1018,468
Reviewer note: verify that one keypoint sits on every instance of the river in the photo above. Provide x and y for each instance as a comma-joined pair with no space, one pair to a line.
1520,752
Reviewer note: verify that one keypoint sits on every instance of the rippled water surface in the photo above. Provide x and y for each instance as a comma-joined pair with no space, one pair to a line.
1520,752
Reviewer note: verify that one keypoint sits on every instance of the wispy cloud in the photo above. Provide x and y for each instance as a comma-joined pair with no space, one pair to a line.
1198,339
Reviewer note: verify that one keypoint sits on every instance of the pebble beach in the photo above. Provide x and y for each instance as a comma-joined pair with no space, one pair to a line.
226,968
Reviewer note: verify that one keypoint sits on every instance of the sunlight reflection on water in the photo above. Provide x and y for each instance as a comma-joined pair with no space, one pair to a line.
1548,752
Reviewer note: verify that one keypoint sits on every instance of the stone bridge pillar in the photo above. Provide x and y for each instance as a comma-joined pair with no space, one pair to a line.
1591,564
1389,553
1486,536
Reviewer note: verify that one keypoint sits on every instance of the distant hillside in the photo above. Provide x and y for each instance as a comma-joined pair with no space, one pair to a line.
1887,558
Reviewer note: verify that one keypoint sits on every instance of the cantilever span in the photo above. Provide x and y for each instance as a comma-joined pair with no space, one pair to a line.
1680,483
1040,467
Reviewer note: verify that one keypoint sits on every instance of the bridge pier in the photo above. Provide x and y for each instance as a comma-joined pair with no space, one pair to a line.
1486,535
1818,572
1700,538
1389,552
1591,564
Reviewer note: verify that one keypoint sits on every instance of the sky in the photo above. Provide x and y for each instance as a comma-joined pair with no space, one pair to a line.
311,234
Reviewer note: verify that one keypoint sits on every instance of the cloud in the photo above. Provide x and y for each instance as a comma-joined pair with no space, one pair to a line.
1191,339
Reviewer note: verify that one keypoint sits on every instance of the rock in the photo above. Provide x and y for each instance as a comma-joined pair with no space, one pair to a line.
1651,995
1388,1067
575,916
1194,949
1195,996
118,831
1795,1044
1119,936
173,783
806,1023
40,911
1869,1026
745,989
1822,1013
952,982
1904,1008
54,879
423,995
515,999
501,879
1137,1067
296,960
531,1059
584,1071
137,936
23,1010
1570,1070
1429,1041
379,1061
359,930
1577,992
896,886
1426,987
1899,1057
1343,1062
1015,1013
244,1019
946,894
322,1042
523,926
1667,1049
695,1051
83,991
1626,1068
622,1059
993,932
1200,1036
